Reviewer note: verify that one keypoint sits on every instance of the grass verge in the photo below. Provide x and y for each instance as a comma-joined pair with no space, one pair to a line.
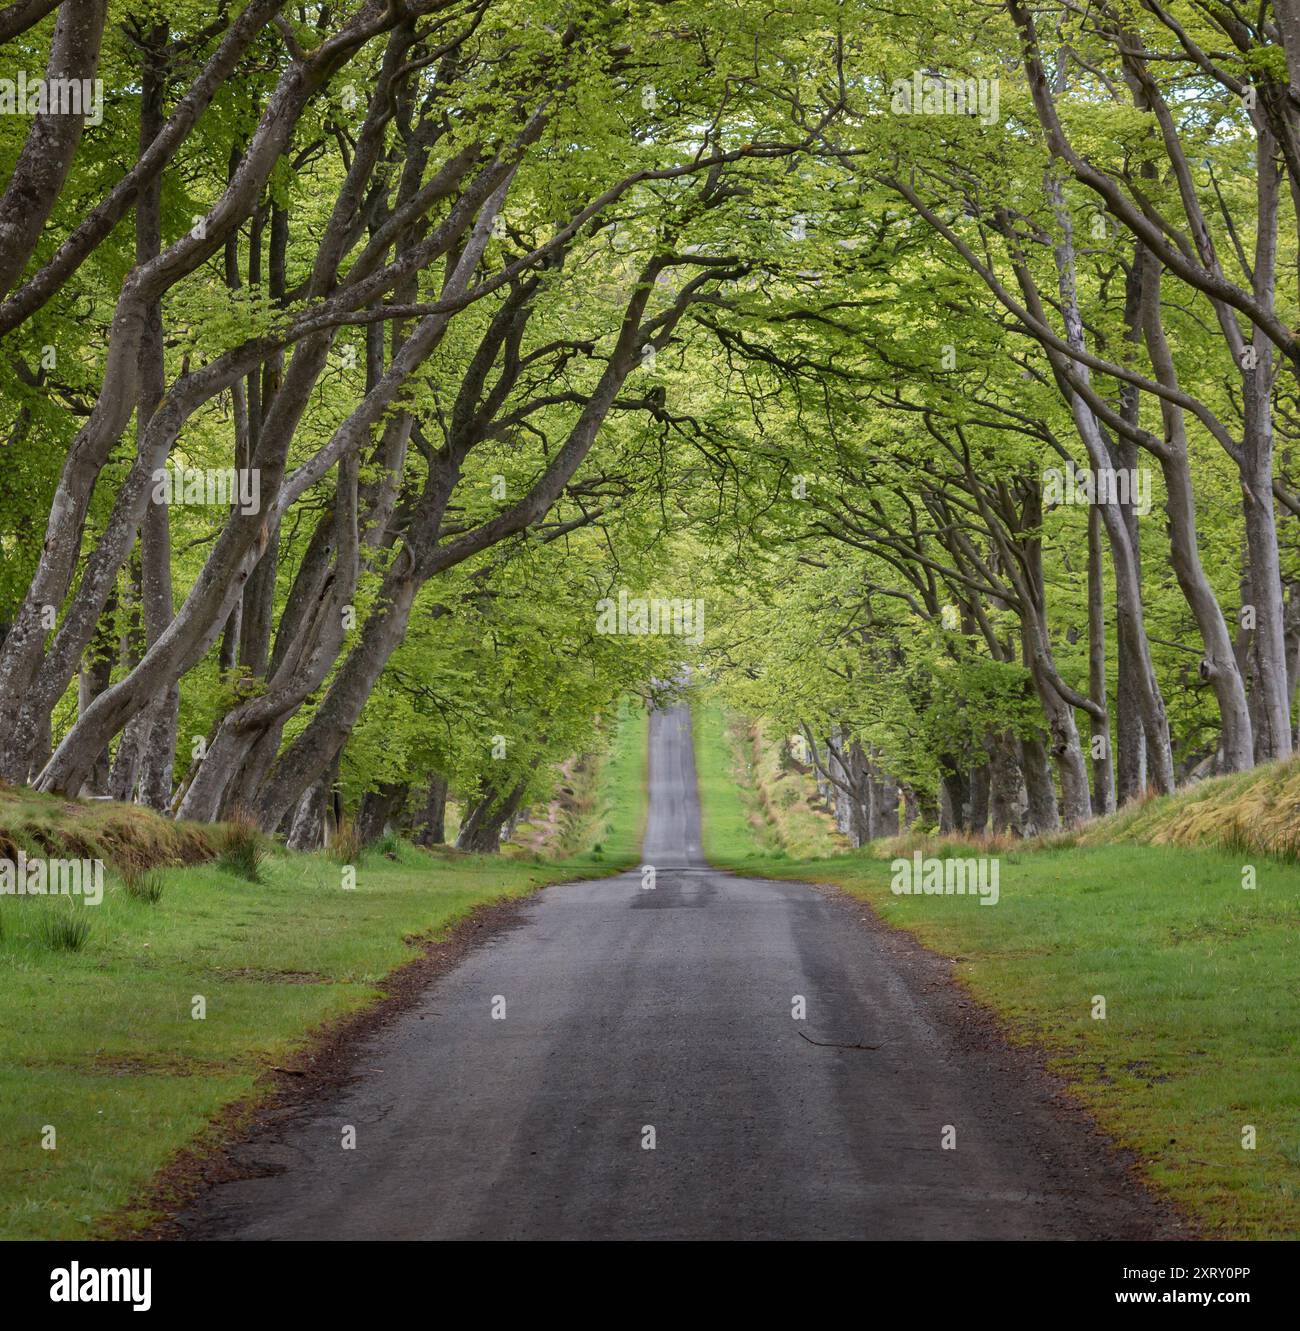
1198,1042
752,795
598,815
115,1056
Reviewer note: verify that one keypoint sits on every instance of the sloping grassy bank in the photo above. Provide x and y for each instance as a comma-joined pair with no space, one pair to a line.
114,1056
756,800
1255,811
600,811
124,835
1198,1043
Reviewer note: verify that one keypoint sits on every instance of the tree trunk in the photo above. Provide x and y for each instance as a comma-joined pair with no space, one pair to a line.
248,737
1128,582
1130,746
306,831
378,808
432,829
1219,665
1103,785
954,796
1257,477
979,786
96,674
1007,797
157,741
46,157
884,805
32,679
1042,813
481,830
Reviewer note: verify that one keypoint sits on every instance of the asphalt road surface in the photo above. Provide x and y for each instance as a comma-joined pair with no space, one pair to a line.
629,1008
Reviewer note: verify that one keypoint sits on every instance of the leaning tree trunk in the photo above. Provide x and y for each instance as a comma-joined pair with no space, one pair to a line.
51,143
422,556
157,740
328,730
1257,478
248,737
31,679
1128,582
306,830
481,830
1219,665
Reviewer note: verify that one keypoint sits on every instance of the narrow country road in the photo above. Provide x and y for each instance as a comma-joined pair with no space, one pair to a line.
670,1008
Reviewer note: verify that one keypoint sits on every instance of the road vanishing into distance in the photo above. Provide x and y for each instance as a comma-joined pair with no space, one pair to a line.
649,1081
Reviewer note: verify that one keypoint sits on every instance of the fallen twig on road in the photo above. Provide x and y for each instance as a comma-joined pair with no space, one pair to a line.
834,1044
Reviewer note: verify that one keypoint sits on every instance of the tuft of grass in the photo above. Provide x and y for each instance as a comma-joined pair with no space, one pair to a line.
1246,843
389,845
1234,839
933,843
1284,846
346,847
243,848
144,885
64,929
